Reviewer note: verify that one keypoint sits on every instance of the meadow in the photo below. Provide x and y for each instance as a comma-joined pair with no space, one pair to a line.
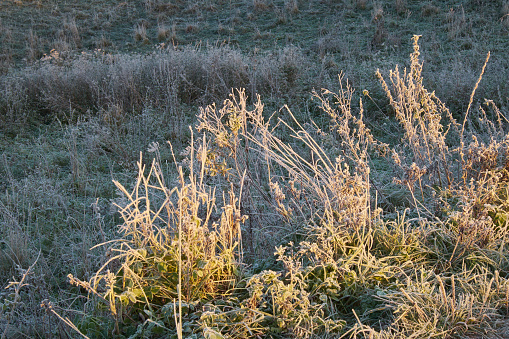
254,169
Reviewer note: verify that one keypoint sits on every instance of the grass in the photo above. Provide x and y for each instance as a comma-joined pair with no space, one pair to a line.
299,206
344,267
339,35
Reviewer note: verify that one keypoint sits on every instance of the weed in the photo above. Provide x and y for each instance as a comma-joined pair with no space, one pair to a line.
33,47
103,42
379,21
387,216
13,302
420,112
400,6
173,247
292,6
140,33
429,10
361,4
457,24
260,5
164,33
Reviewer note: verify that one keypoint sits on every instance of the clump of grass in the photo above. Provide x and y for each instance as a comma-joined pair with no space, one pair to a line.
260,5
192,28
505,8
400,6
34,52
429,9
342,265
505,13
420,113
292,6
161,6
457,24
361,4
163,33
99,81
174,248
103,42
377,17
140,33
6,50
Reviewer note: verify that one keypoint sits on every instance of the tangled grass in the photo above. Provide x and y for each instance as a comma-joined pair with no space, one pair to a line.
351,258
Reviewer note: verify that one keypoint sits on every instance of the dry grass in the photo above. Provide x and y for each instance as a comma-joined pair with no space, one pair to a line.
342,265
140,34
164,33
261,5
160,224
292,6
429,10
457,23
361,4
166,78
400,6
387,217
377,17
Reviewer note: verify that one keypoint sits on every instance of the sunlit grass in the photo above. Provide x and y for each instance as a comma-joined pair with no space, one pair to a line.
343,265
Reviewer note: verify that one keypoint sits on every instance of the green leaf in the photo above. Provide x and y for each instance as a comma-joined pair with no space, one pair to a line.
209,333
162,267
201,263
137,292
137,267
142,252
150,291
131,296
128,282
158,330
124,300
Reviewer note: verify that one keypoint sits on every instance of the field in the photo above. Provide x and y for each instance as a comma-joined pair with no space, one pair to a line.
254,169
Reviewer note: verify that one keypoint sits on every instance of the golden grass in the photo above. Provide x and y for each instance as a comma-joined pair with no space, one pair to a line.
307,201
